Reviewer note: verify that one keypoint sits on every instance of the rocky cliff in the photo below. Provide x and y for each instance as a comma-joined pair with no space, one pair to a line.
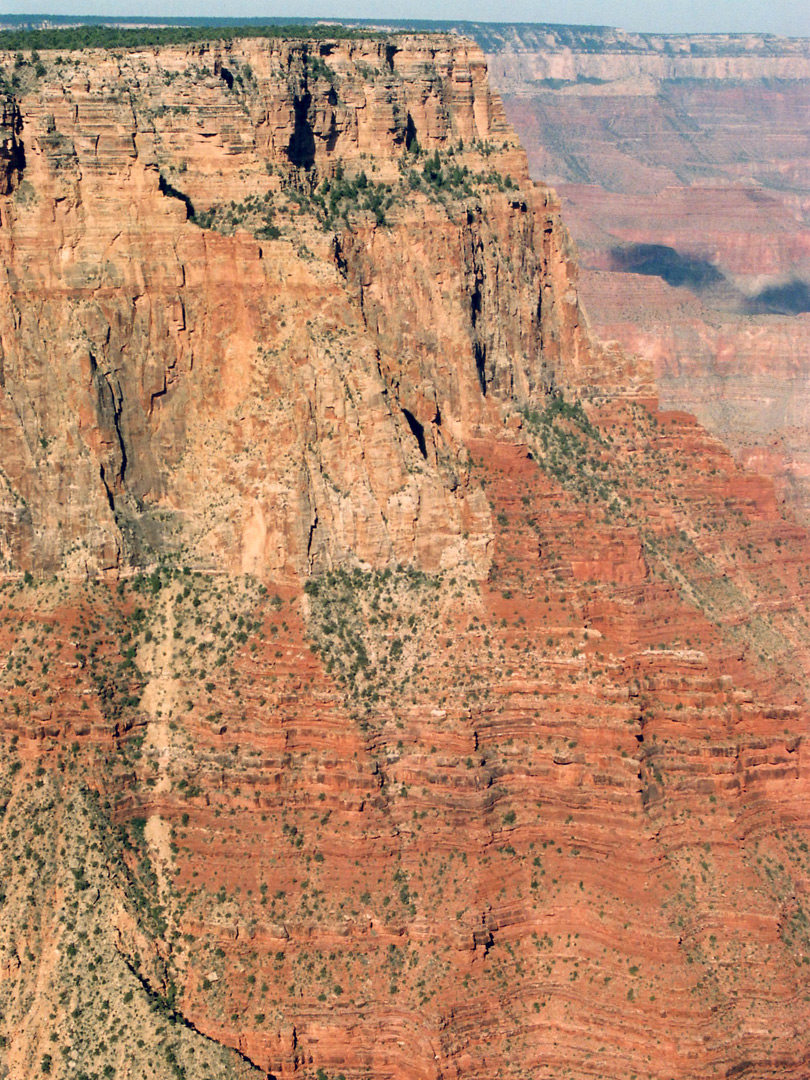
391,689
211,343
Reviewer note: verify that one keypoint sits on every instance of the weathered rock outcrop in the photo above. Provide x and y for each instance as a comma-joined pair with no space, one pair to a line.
12,157
456,726
267,403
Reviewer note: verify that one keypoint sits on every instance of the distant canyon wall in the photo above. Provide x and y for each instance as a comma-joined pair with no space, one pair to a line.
683,164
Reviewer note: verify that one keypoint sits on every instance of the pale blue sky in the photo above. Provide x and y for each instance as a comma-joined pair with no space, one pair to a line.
790,17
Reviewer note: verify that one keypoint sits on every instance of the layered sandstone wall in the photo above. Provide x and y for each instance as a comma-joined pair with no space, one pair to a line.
516,784
168,388
635,64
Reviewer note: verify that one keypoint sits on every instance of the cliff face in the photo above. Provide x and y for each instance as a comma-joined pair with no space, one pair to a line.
684,169
269,399
456,725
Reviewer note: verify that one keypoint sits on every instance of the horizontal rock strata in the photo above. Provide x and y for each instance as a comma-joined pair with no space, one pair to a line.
392,690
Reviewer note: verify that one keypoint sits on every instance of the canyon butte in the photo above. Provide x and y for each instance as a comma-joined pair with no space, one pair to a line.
391,689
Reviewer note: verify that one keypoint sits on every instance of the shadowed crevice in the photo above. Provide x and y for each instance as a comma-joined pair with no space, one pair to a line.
301,149
166,188
418,431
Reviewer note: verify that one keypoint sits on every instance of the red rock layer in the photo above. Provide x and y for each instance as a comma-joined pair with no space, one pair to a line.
408,826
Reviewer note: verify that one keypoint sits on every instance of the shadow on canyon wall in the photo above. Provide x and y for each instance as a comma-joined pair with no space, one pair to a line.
658,260
791,298
702,277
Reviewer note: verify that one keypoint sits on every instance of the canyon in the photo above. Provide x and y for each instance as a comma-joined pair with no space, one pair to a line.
683,165
393,689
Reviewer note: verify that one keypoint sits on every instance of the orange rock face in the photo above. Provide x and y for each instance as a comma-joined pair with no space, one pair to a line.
441,712
195,393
